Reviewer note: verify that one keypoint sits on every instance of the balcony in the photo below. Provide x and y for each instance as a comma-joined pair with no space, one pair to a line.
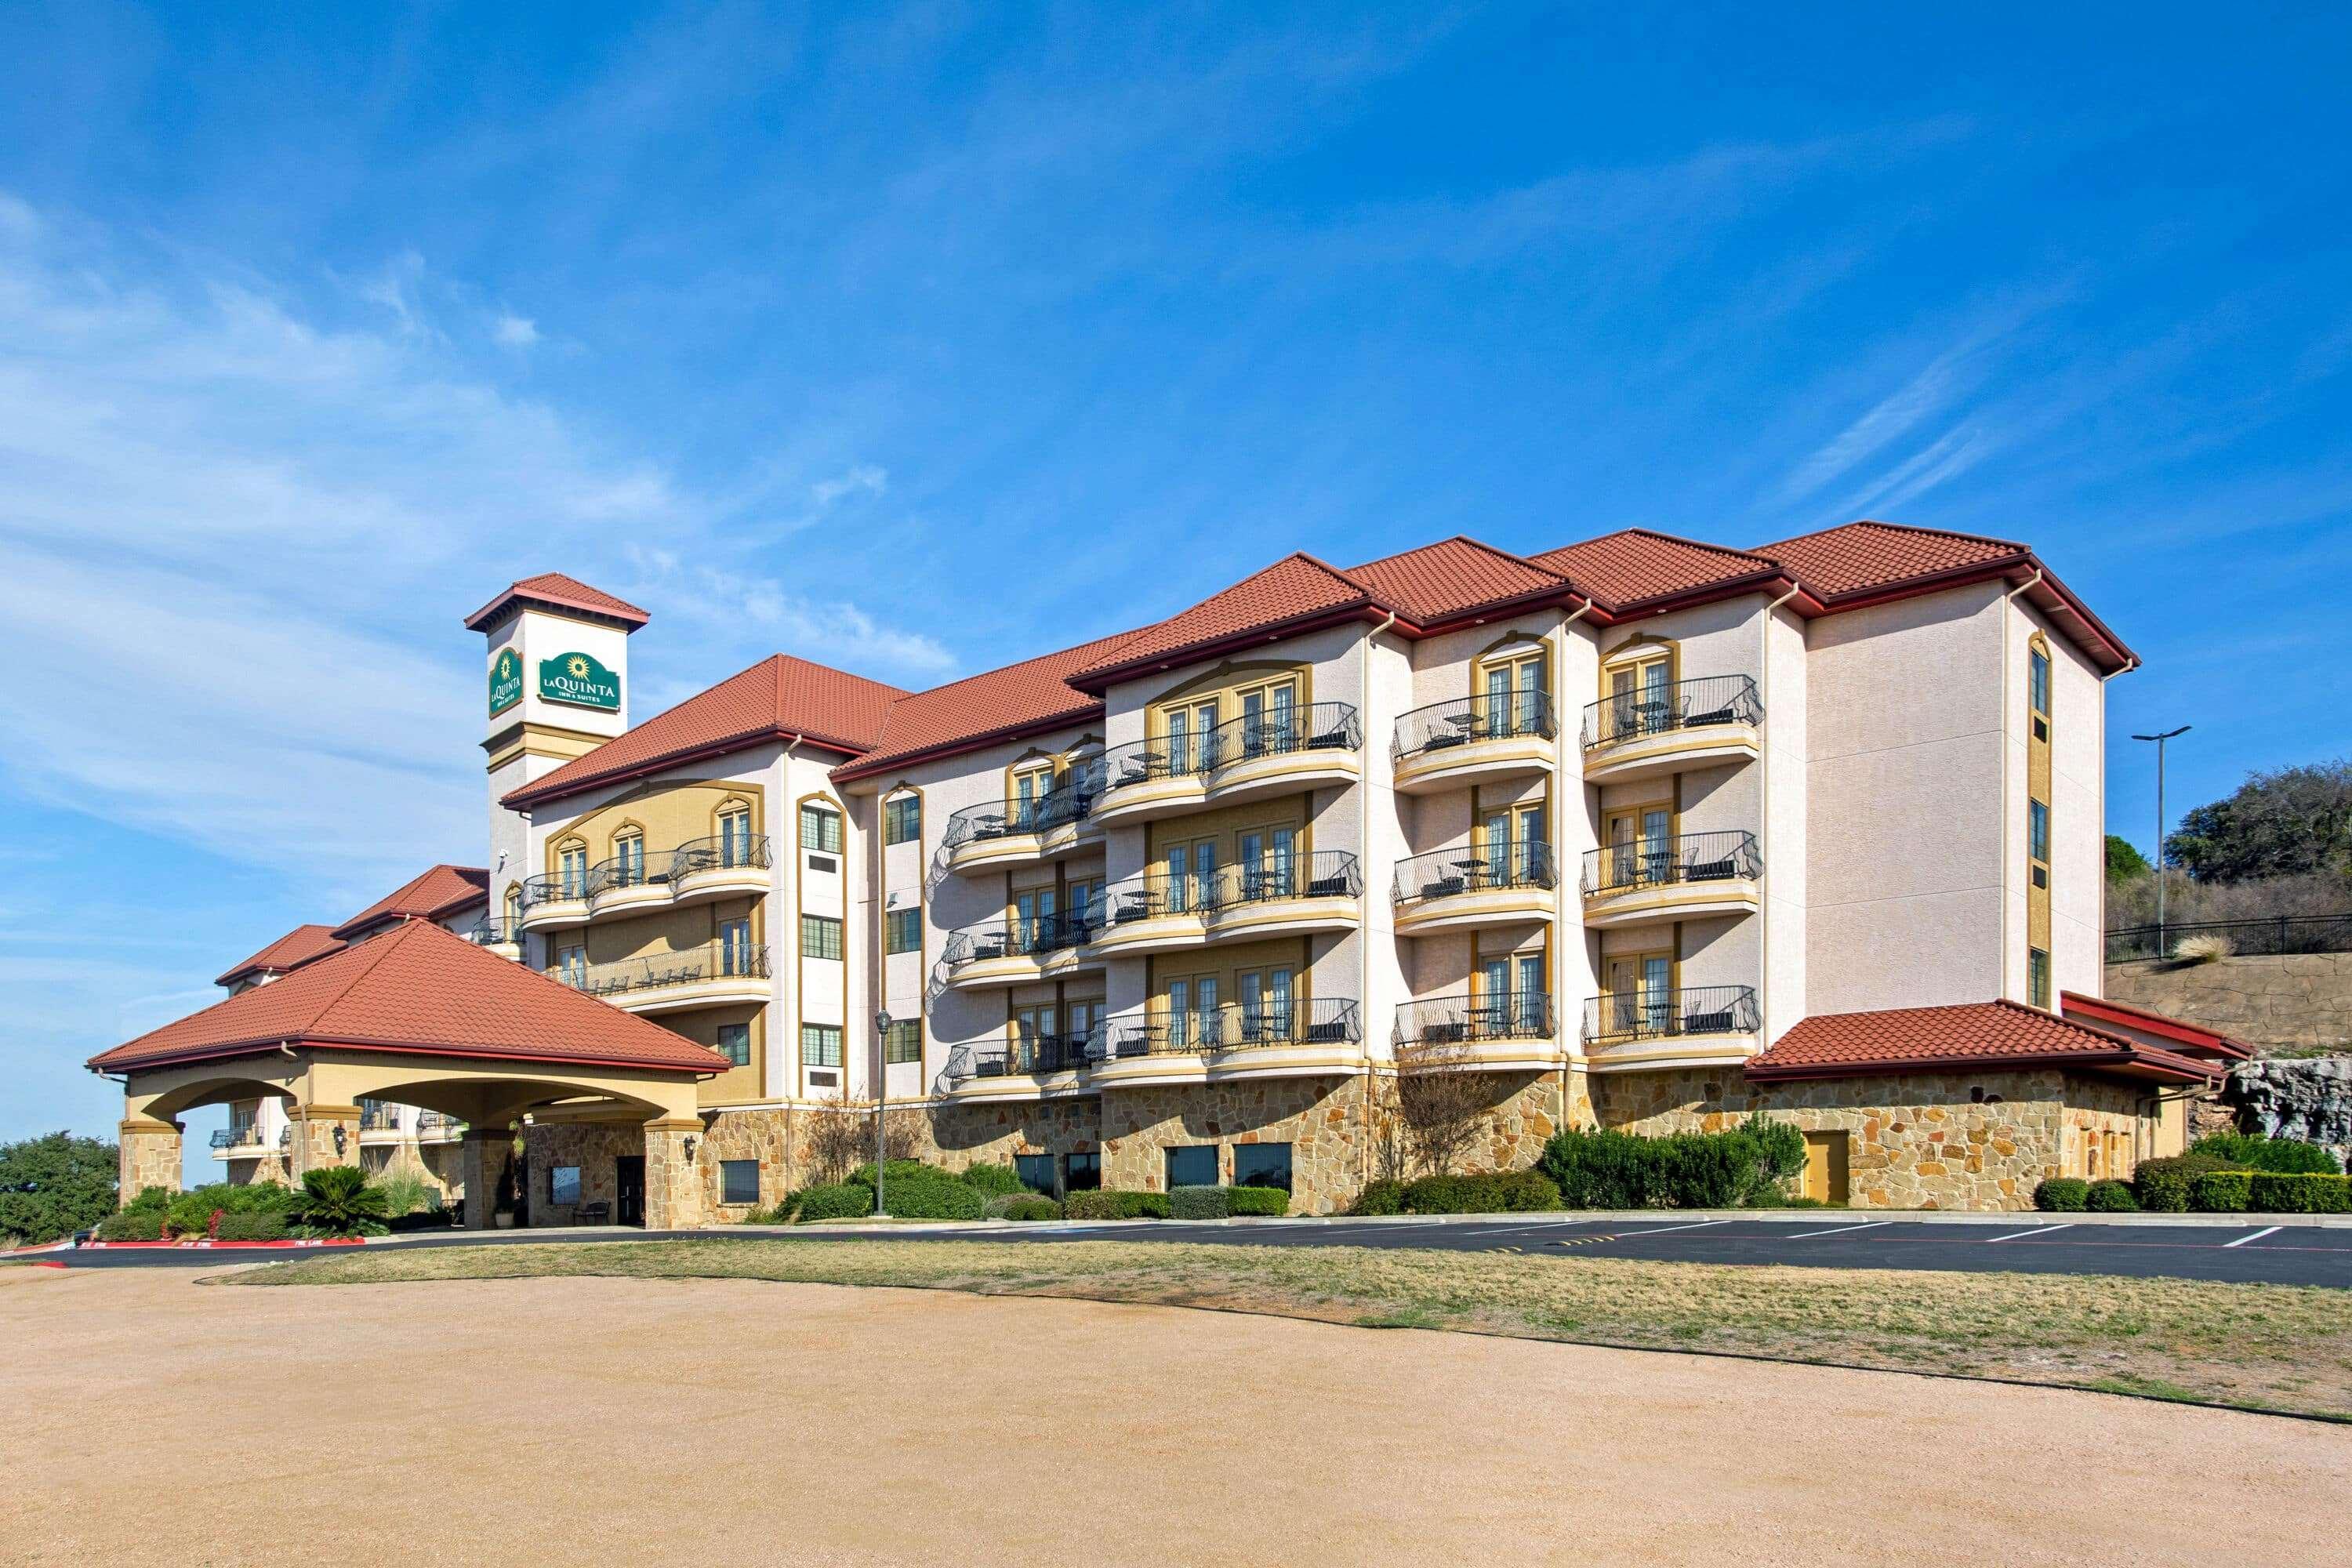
1250,758
708,976
1034,1065
1689,877
1488,738
1293,1039
1157,912
379,1123
244,1140
1694,1027
503,937
1658,730
695,873
1478,1032
1466,888
1017,951
433,1127
1025,832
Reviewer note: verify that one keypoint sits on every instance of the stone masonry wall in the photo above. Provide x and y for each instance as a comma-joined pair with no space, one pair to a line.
2299,1001
147,1155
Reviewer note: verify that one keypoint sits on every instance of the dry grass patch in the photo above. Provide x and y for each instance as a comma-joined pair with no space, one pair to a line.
2263,1346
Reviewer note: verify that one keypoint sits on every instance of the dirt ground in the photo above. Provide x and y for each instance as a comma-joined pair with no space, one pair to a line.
150,1417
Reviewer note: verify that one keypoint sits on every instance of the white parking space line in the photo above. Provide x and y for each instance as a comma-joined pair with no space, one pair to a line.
2037,1230
1527,1229
2256,1236
1841,1229
1694,1225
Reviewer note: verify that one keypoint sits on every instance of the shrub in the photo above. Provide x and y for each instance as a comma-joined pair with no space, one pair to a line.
898,1170
253,1225
1454,1195
2063,1195
1604,1169
1529,1192
1143,1206
2275,1192
336,1201
1025,1207
154,1200
1379,1197
2253,1152
921,1194
1710,1170
1200,1203
1264,1203
191,1213
2203,949
1096,1206
2222,1192
1599,1169
133,1224
1781,1145
2110,1197
834,1200
997,1181
2161,1185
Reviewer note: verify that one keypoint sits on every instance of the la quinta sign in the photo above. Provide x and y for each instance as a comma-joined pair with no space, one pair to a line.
506,681
579,680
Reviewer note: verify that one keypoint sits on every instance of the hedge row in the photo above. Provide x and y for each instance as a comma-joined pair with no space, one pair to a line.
2186,1183
2253,1152
1513,1192
1604,1169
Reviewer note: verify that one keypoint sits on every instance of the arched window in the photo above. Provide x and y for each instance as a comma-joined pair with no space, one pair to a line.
735,833
820,828
571,868
514,910
628,858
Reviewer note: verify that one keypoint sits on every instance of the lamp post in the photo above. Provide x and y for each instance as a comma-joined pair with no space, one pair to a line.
2159,740
881,1097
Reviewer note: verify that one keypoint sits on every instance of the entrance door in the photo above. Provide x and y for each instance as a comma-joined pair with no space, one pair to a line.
629,1190
1825,1168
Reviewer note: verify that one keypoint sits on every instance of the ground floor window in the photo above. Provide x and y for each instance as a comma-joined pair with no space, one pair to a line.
563,1184
820,1045
735,1043
1262,1165
1192,1165
1081,1172
739,1180
1035,1171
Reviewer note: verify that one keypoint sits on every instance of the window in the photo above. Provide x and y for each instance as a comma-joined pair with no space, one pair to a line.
571,869
902,931
821,829
1081,1172
1194,1165
2037,681
735,956
514,911
628,859
902,819
572,966
820,937
563,1185
904,1041
1036,1172
1262,1165
820,1045
735,1044
1514,701
1641,697
1030,788
735,836
2037,831
1269,718
2037,977
739,1180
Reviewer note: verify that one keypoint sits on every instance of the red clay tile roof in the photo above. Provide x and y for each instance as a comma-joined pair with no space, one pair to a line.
2125,1018
435,894
2001,1033
555,590
418,990
1859,557
1034,694
1453,577
1636,564
294,948
775,700
1295,588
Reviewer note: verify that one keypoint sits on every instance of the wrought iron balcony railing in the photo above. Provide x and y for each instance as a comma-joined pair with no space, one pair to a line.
724,851
1468,1020
379,1119
1316,727
1660,862
688,966
1324,874
1666,1014
493,932
1490,867
243,1135
1236,1025
1482,716
1713,701
1032,1053
1070,799
1032,937
439,1121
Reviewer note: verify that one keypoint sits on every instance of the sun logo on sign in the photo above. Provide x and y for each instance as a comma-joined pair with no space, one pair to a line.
578,667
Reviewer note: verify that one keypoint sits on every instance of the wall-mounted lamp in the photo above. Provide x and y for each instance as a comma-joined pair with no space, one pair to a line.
689,1148
339,1138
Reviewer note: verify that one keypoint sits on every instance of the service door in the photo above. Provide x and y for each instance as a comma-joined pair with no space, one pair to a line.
1825,1154
629,1190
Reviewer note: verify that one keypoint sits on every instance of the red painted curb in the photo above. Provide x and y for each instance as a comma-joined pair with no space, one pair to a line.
239,1245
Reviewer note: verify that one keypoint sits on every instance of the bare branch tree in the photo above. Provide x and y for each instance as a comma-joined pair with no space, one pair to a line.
841,1136
1442,1104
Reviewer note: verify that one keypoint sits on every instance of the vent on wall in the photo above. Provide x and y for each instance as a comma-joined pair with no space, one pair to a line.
823,863
824,1079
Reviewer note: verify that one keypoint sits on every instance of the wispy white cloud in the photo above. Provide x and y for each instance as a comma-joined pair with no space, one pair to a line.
866,479
513,331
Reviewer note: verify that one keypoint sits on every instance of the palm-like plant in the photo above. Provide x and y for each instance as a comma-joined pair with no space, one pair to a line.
337,1201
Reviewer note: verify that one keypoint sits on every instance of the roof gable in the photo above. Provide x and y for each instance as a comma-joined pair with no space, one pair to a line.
1857,557
1978,1034
1034,694
298,947
436,893
1294,589
1454,577
1636,564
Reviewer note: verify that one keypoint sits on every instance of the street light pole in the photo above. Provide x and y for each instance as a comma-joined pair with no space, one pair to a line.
2160,739
881,1097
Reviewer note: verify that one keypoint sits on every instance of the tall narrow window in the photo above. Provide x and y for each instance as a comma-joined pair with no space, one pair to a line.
2037,977
735,947
1030,788
902,819
628,859
820,829
735,837
2037,681
903,1042
820,936
820,1045
571,967
902,931
571,869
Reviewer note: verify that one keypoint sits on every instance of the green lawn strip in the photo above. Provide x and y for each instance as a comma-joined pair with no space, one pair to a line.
2256,1346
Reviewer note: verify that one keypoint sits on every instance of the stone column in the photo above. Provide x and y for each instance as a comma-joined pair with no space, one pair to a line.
315,1127
148,1155
674,1194
482,1161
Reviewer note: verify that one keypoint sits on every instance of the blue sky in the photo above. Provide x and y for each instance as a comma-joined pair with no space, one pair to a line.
916,340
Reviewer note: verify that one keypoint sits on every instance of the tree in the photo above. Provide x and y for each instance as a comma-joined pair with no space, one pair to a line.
53,1187
2124,860
841,1136
2277,825
1441,1105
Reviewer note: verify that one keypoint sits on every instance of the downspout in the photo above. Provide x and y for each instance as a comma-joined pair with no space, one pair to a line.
1764,815
1561,771
1363,932
2000,984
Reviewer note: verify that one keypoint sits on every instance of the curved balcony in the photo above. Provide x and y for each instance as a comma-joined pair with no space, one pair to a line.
1023,1067
701,869
713,975
1695,1026
1294,1039
554,901
437,1127
1689,877
1015,952
1155,912
1023,832
1477,1033
1245,759
1658,730
1485,738
242,1140
503,937
1466,888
